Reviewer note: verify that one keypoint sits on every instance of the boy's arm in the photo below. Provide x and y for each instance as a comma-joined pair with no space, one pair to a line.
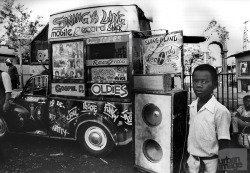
222,122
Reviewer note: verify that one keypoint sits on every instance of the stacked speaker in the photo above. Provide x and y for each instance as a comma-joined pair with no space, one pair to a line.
160,124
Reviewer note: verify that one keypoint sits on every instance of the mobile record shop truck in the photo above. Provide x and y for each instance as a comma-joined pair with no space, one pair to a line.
87,96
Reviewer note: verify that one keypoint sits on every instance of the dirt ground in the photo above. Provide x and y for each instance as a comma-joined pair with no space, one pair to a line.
26,154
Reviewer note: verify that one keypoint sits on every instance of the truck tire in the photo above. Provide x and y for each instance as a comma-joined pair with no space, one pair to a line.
3,128
95,139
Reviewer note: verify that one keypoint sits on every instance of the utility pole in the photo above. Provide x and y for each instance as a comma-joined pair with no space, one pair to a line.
245,38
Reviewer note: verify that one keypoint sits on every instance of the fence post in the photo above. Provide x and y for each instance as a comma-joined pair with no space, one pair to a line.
227,91
190,88
222,88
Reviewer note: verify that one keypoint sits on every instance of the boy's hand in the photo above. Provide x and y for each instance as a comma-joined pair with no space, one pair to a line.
6,106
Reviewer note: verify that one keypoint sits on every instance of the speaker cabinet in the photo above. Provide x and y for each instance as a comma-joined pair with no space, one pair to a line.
160,123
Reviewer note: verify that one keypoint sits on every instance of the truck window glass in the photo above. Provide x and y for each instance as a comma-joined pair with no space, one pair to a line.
29,87
40,85
107,50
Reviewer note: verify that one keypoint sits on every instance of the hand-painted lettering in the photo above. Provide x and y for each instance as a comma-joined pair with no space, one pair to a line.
109,39
114,21
100,62
79,23
59,130
127,116
60,88
158,40
62,22
108,89
110,111
94,17
89,106
72,114
59,104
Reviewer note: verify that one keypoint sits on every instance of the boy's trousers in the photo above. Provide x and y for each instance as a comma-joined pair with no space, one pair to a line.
210,165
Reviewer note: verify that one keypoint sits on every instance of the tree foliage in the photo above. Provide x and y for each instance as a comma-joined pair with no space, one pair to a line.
214,27
19,28
193,53
192,57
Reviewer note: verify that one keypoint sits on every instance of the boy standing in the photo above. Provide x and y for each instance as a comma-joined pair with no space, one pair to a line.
209,122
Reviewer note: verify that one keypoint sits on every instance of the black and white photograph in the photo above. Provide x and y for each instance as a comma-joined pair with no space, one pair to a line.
135,86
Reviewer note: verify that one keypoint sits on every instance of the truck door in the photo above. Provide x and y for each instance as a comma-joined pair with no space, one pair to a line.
34,99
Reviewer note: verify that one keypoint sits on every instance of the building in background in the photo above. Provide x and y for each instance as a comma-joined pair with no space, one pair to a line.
39,47
7,52
39,52
242,61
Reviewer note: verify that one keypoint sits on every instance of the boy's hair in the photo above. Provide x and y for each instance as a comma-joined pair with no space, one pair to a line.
246,97
210,69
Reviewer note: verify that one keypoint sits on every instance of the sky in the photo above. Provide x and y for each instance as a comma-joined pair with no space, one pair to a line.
191,16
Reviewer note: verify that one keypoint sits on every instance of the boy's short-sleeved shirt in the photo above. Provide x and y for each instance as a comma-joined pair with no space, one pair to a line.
242,111
210,124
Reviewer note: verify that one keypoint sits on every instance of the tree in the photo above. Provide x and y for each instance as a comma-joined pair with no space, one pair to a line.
213,27
193,53
192,57
19,28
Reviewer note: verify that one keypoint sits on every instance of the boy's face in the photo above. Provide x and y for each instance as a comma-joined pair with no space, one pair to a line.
203,84
247,103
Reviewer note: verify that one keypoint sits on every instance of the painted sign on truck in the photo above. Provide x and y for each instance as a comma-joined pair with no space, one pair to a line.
95,20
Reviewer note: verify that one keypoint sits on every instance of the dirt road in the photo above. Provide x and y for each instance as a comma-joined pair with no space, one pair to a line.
26,154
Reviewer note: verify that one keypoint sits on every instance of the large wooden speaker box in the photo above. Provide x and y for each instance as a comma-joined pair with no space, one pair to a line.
160,124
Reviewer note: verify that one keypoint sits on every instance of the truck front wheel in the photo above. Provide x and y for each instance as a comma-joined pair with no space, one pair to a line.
3,128
95,139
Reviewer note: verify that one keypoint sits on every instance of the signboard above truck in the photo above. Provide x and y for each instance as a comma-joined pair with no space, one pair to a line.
97,20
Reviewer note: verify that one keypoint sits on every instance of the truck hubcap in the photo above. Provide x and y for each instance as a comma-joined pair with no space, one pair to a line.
95,138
